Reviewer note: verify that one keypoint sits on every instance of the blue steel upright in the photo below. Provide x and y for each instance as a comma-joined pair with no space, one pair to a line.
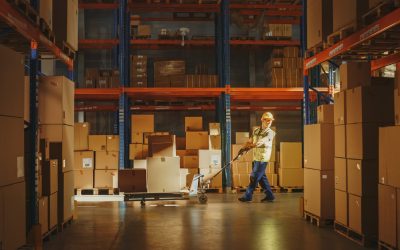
306,96
225,103
123,110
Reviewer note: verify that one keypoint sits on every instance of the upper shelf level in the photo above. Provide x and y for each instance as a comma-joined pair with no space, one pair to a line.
17,32
378,42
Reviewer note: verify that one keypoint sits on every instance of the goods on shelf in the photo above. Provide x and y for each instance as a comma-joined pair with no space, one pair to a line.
277,31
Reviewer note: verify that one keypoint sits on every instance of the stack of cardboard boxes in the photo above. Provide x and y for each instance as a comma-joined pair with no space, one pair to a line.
291,174
319,21
12,177
389,184
363,106
104,78
84,158
169,74
139,71
201,81
285,67
56,131
65,22
319,188
272,31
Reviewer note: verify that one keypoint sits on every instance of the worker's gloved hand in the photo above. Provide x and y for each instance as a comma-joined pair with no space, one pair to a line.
249,145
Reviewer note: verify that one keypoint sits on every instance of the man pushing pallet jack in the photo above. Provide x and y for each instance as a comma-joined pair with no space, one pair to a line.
261,143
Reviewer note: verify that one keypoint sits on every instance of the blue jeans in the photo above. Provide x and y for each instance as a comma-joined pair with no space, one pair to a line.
258,176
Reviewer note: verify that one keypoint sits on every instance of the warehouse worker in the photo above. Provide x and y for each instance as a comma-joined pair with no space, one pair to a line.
261,142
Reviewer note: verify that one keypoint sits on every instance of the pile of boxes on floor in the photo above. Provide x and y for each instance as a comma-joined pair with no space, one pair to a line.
170,162
285,68
96,159
12,177
104,78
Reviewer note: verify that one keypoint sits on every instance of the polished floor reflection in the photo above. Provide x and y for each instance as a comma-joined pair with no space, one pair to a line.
223,223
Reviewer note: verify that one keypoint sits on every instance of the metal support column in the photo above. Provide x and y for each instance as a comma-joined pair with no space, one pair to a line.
33,135
225,107
124,82
332,79
306,97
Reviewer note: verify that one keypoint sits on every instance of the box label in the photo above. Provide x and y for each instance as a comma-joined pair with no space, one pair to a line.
87,163
215,160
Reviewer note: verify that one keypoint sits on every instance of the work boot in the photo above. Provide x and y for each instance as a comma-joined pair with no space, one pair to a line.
244,199
268,199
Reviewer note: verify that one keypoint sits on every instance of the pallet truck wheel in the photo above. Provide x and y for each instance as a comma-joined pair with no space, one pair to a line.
142,204
203,198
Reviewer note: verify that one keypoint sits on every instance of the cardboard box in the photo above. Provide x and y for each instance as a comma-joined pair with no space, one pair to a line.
370,104
112,143
163,174
12,160
363,215
278,77
107,160
50,177
245,158
341,174
341,207
66,197
106,178
325,113
26,99
339,108
43,206
53,208
142,123
97,143
140,164
197,140
193,123
162,146
214,142
83,179
190,162
14,215
144,31
137,138
319,193
241,168
270,168
347,12
12,87
291,155
180,143
362,177
244,180
235,180
387,207
65,135
362,141
81,136
319,141
319,21
214,128
397,106
389,171
83,160
291,177
190,175
340,141
132,180
168,68
242,137
65,22
56,100
354,74
291,52
216,182
209,158
272,179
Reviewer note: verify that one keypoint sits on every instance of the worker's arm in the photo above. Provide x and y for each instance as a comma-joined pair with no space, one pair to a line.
265,141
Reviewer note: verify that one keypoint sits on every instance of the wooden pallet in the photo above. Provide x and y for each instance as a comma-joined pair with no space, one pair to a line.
341,33
379,11
353,235
65,224
292,189
46,30
316,220
27,10
50,233
383,246
96,191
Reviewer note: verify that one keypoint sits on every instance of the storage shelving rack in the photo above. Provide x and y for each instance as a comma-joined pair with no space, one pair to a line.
22,34
224,95
375,42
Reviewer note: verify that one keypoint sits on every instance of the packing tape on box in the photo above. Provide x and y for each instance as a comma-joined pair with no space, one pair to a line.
20,166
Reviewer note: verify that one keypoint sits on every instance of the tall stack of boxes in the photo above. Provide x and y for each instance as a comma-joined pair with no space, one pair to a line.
319,190
389,176
319,21
291,172
84,158
12,177
359,110
139,71
56,117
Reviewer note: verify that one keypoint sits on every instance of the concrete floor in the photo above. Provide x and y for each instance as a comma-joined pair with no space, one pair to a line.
223,223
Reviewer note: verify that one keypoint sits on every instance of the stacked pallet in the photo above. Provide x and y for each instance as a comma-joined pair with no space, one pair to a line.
388,188
12,177
359,110
319,190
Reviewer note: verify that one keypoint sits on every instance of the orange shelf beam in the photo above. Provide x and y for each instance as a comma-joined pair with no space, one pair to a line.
97,94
